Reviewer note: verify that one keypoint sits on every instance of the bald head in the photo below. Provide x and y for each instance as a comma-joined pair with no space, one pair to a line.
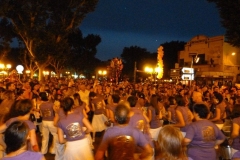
121,113
197,97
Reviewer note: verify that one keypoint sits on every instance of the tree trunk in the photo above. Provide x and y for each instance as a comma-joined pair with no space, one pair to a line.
40,74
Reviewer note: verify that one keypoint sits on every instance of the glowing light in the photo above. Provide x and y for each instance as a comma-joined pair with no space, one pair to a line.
160,62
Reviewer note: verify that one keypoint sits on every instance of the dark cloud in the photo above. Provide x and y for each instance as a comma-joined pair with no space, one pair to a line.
148,23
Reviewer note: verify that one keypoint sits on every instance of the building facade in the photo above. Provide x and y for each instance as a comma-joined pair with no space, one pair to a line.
218,60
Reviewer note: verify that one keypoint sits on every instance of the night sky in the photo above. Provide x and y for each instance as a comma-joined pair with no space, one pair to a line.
149,23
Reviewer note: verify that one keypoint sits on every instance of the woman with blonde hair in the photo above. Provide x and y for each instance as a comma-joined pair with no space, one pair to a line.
171,145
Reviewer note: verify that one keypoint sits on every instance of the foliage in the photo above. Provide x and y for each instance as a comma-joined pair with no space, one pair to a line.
43,26
170,57
83,51
133,54
230,13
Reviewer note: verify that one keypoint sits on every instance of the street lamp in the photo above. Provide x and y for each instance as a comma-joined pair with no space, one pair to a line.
28,72
46,73
152,72
5,68
19,69
102,73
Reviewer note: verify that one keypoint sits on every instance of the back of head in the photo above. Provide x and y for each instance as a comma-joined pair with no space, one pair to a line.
170,142
218,96
172,100
197,96
92,94
16,136
201,109
67,104
43,96
180,100
121,113
77,99
20,108
132,101
115,98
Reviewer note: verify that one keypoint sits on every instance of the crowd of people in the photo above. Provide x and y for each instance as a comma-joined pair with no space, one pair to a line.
139,121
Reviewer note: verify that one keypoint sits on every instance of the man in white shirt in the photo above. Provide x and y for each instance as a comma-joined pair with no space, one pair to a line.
84,95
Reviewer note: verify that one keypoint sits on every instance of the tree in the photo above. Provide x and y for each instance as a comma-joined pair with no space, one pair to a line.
230,13
133,54
44,25
170,57
83,51
6,39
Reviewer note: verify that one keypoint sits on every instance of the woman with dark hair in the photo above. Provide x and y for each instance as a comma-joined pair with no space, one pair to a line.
202,135
219,113
80,105
172,117
71,126
229,107
99,116
235,136
154,115
47,113
184,115
16,137
21,110
170,141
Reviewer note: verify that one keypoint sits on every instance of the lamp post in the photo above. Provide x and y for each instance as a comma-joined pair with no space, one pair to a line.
152,72
28,72
20,69
102,73
46,73
194,60
5,68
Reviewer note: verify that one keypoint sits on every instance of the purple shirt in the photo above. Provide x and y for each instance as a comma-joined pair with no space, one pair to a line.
236,144
134,120
172,110
186,117
155,122
136,110
78,110
98,105
115,131
27,155
203,134
46,109
72,126
221,106
236,155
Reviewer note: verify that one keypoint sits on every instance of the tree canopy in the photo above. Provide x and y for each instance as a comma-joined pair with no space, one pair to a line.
133,54
230,14
170,57
43,26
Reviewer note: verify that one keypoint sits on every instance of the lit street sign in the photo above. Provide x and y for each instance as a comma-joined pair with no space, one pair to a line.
188,77
187,70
